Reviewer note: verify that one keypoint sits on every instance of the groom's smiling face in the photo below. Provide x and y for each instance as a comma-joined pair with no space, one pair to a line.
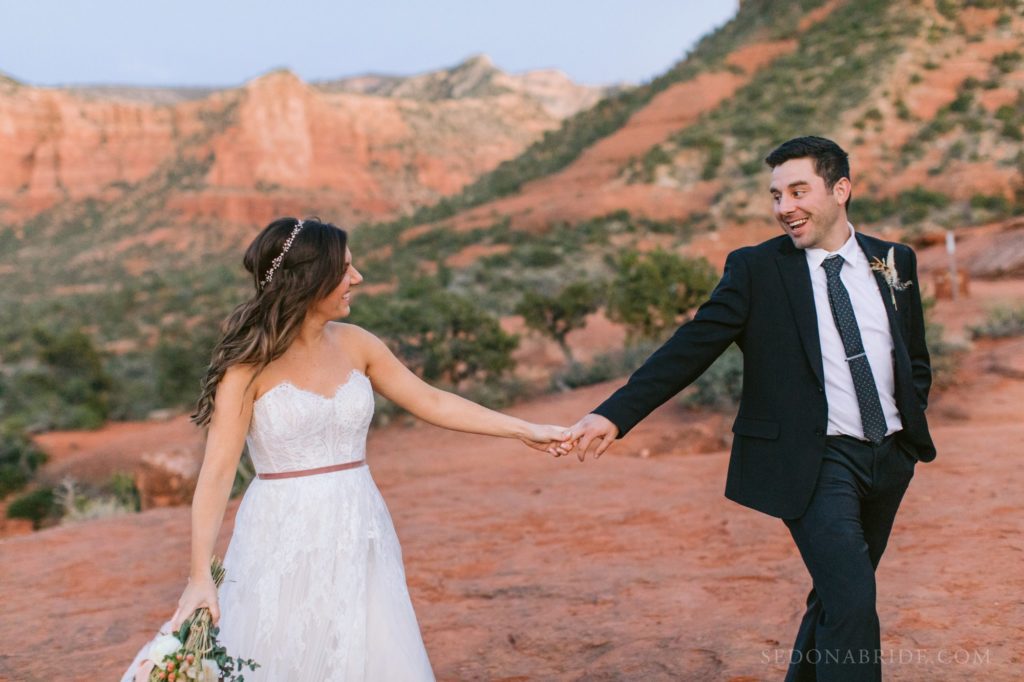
809,212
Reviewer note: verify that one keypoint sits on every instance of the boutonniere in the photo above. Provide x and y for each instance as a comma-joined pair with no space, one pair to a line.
888,269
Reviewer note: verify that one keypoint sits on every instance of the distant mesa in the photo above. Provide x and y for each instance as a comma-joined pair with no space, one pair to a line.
363,149
477,77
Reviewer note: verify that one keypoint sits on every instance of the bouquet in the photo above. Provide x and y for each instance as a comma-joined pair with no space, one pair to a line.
193,652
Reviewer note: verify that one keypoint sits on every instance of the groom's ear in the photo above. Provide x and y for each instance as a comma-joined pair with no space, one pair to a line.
842,190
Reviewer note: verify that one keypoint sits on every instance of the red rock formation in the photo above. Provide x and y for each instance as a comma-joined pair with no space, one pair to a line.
278,144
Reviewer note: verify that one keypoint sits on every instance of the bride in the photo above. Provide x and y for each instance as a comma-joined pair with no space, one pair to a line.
315,587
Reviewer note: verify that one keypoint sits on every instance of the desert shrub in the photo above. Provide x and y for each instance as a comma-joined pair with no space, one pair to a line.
244,473
972,122
75,503
556,315
902,110
1006,62
910,206
537,256
603,367
721,385
134,395
653,292
65,386
1002,322
12,478
38,506
945,355
439,334
498,392
995,205
122,486
962,102
19,457
1012,130
180,359
914,204
656,156
947,8
868,210
1012,118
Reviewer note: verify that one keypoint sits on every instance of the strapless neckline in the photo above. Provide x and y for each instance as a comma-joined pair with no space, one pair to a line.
287,384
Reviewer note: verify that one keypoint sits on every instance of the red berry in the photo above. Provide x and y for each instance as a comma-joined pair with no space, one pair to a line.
171,677
190,658
179,657
170,667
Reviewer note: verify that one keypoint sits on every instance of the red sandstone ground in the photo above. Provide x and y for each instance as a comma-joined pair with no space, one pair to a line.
633,567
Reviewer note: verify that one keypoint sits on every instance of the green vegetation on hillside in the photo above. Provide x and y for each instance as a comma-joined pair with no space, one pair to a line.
80,284
63,385
833,69
756,19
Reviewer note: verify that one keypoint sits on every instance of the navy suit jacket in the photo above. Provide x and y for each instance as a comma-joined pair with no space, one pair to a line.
765,304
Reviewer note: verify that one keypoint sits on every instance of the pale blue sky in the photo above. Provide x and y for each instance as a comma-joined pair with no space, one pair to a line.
223,43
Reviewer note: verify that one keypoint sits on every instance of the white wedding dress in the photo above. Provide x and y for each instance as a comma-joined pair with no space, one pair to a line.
315,588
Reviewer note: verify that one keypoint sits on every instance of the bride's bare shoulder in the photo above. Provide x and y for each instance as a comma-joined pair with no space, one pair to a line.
350,333
239,373
238,381
358,342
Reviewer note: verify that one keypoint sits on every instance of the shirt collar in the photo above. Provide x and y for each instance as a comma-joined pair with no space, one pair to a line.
850,251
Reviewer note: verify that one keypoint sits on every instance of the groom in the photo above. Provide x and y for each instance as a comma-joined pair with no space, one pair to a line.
835,384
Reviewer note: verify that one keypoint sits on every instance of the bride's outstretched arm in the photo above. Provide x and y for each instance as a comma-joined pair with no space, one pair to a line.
230,421
397,383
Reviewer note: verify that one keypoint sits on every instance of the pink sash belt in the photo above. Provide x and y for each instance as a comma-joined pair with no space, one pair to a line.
313,472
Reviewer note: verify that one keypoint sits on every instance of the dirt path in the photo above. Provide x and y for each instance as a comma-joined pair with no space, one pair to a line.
523,567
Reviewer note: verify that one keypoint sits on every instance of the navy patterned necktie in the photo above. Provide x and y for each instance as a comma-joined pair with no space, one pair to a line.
871,416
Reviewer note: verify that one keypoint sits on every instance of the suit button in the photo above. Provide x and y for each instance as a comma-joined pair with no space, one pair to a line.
820,389
819,432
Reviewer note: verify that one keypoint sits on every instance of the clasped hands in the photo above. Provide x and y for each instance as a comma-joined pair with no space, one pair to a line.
592,433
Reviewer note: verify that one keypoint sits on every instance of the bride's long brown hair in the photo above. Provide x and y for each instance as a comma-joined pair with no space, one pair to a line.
261,329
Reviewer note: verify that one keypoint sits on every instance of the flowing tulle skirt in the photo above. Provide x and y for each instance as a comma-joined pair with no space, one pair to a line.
315,588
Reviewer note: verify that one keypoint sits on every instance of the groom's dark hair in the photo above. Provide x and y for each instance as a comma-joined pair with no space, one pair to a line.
831,163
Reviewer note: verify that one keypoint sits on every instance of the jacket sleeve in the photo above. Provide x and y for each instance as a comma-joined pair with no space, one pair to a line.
920,361
690,351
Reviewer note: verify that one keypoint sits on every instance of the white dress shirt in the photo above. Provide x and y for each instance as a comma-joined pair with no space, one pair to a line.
856,275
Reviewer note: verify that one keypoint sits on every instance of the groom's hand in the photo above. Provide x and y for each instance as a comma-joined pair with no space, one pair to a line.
591,431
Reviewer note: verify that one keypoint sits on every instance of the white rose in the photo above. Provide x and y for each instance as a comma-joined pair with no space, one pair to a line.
209,671
163,646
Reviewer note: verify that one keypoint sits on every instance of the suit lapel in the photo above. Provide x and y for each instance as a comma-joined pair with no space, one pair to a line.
797,280
873,249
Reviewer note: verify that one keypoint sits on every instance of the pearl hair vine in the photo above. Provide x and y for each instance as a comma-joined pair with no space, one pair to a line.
276,263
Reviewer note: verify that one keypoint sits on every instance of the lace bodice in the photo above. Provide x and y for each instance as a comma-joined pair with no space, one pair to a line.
294,429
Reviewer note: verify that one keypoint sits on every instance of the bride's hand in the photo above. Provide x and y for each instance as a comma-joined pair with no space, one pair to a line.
547,438
198,593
